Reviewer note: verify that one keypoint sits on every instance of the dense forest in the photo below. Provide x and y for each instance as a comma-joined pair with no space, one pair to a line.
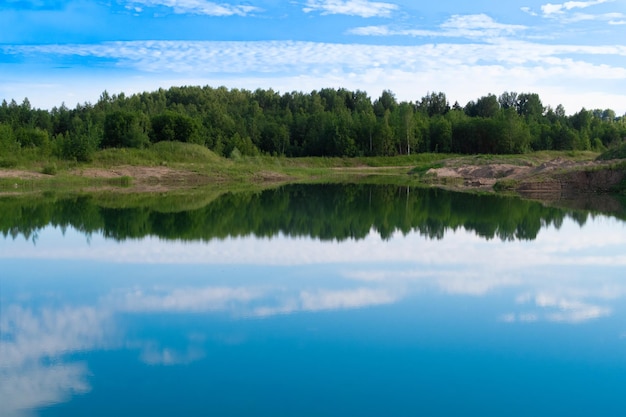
325,212
329,122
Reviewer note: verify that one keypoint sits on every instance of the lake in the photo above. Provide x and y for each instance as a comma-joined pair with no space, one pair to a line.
310,300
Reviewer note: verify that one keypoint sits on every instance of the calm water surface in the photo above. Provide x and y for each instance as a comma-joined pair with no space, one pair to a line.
311,301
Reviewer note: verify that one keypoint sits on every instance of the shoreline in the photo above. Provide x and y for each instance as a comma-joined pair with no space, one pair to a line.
537,176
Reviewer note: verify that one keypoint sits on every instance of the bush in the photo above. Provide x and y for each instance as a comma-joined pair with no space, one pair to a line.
8,162
50,169
75,147
235,154
617,152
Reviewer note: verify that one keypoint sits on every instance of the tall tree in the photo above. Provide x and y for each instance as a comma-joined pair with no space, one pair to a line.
124,129
434,104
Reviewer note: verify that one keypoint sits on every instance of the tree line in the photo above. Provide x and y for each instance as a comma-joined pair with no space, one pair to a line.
328,122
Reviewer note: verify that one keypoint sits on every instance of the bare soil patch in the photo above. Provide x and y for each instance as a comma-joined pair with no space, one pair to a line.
550,176
19,174
270,177
149,179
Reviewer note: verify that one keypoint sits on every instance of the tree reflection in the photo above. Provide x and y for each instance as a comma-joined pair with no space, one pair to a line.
325,212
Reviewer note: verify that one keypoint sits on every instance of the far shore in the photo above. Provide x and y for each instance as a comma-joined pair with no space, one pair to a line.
537,175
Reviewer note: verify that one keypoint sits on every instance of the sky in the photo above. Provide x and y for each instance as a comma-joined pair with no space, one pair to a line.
69,51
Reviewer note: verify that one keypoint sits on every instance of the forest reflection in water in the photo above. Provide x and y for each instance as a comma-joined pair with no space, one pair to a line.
326,212
316,294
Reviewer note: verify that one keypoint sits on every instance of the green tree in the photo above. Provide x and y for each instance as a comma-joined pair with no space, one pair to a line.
508,99
170,126
440,134
529,105
8,145
487,106
404,128
434,104
124,129
514,133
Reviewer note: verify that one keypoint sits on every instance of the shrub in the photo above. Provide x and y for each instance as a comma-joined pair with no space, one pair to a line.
50,169
617,152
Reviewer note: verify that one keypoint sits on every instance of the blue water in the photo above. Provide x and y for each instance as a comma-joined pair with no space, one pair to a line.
299,327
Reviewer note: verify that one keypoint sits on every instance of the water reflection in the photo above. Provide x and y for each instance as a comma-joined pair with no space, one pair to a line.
326,212
74,306
33,346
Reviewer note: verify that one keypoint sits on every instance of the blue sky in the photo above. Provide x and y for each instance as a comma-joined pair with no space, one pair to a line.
571,53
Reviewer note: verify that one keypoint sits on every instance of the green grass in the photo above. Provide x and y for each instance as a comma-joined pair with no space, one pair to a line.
618,152
214,170
162,153
505,185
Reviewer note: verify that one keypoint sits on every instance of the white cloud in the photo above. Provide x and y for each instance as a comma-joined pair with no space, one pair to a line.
26,388
185,299
242,302
205,57
560,308
586,17
199,7
476,26
571,75
567,12
49,332
31,338
361,8
550,9
479,22
345,299
375,31
152,354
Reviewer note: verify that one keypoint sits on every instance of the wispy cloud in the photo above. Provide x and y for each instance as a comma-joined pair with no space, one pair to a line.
234,57
38,385
361,8
477,26
186,299
576,76
477,23
274,58
587,17
34,345
345,299
198,7
528,10
153,354
568,12
551,9
554,307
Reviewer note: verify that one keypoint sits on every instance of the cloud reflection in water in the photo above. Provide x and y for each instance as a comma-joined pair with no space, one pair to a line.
548,279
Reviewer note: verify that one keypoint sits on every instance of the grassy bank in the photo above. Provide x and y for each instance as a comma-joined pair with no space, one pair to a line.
168,166
195,166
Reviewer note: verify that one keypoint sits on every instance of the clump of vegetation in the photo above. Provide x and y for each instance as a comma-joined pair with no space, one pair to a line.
8,162
50,169
124,181
506,185
616,152
235,154
183,152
